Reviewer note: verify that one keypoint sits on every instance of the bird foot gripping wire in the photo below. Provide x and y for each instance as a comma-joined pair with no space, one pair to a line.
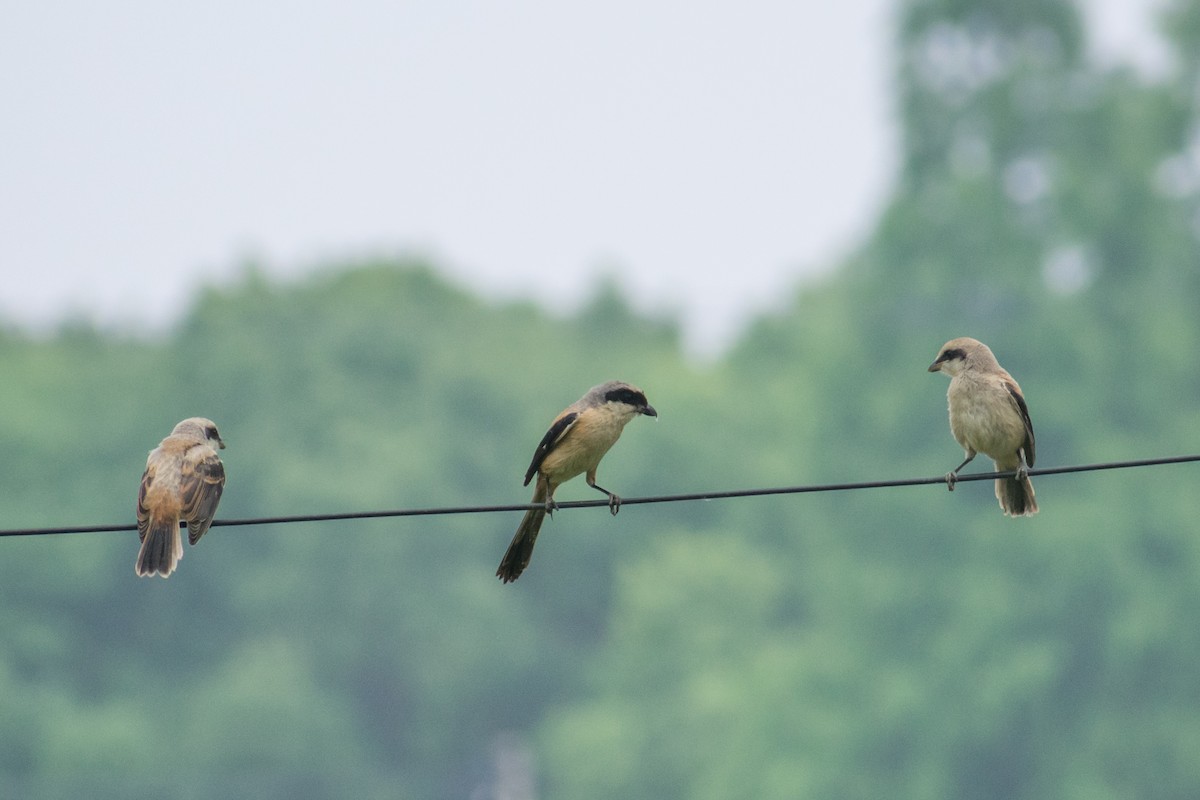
951,479
614,504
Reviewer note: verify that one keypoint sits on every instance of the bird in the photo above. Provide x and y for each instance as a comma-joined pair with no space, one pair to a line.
184,478
578,438
988,415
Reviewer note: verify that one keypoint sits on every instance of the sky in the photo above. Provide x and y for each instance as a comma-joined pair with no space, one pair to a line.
710,157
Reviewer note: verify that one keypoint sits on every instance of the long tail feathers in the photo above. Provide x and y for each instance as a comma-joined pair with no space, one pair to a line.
161,549
1016,497
520,550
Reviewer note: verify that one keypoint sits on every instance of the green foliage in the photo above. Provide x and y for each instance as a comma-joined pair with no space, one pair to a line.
906,643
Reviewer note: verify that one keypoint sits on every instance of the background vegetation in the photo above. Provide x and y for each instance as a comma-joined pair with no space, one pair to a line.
905,643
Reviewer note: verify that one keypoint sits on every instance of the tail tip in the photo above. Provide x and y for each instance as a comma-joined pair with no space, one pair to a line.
1016,497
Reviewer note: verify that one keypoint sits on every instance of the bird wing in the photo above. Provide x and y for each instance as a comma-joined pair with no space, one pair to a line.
201,482
550,441
1014,392
143,513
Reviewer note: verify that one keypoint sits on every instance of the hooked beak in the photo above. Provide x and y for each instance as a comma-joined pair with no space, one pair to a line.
221,443
648,410
935,366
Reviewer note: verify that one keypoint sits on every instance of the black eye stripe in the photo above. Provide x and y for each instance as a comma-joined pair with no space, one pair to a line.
625,395
950,355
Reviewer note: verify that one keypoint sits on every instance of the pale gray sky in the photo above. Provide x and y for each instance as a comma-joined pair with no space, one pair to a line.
710,155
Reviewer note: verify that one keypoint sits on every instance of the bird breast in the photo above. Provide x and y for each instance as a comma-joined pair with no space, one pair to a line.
984,419
593,433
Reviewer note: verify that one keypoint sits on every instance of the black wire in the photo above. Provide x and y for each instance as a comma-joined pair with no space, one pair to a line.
630,501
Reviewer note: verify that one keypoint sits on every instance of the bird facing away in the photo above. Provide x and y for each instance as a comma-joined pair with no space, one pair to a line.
577,440
184,478
988,415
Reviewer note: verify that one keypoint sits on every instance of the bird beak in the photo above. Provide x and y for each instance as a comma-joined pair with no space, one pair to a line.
935,366
648,410
221,443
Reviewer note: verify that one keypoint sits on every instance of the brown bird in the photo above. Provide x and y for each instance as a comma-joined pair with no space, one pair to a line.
184,478
988,415
577,440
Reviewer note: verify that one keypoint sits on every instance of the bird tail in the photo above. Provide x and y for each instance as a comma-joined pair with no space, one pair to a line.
520,550
161,549
1016,496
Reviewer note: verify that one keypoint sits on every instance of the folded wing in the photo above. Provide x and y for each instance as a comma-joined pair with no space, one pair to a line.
200,487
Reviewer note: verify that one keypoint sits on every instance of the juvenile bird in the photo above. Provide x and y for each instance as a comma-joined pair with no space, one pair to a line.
577,440
988,415
184,478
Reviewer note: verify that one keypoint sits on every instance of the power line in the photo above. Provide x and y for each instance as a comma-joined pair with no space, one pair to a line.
628,501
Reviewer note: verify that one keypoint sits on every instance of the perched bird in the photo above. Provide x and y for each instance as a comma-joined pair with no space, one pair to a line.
577,440
988,415
184,478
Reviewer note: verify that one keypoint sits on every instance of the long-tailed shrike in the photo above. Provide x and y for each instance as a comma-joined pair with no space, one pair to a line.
988,415
577,440
183,480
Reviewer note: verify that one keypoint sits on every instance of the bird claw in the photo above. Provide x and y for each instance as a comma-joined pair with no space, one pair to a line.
951,479
1022,473
614,504
551,506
